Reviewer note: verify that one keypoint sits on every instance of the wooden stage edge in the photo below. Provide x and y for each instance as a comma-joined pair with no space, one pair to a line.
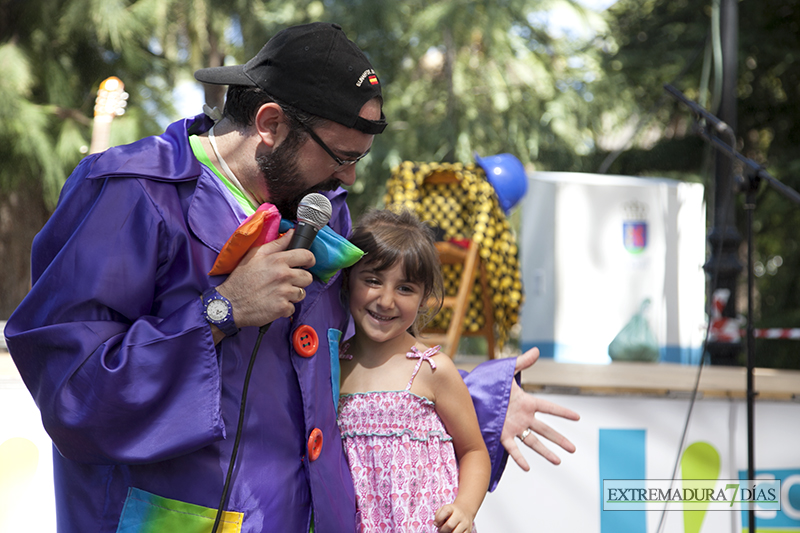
616,379
656,380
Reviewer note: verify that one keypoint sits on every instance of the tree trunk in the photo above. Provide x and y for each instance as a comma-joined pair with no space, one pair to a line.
215,94
22,215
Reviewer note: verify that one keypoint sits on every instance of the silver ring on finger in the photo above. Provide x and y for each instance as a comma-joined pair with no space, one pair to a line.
525,433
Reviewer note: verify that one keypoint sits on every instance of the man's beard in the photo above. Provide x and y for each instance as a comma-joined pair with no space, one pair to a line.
284,184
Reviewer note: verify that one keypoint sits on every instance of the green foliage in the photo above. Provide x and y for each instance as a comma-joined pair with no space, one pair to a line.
469,76
459,76
53,57
19,119
662,41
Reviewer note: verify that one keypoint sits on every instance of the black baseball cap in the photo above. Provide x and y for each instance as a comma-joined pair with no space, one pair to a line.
313,67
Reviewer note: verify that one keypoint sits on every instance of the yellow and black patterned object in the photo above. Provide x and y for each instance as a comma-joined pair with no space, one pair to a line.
467,208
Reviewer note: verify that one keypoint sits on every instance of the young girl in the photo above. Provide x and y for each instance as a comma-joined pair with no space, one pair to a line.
408,425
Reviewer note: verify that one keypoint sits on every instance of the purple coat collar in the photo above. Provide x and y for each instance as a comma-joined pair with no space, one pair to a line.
177,163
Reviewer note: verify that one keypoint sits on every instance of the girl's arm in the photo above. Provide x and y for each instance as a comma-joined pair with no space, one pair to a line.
454,406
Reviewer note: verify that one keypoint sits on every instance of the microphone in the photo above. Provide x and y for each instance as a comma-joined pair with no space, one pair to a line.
698,110
313,214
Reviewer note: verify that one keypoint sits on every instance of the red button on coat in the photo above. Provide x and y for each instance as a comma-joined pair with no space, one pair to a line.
314,444
305,340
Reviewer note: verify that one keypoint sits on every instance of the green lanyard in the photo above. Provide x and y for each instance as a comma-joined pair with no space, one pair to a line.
201,155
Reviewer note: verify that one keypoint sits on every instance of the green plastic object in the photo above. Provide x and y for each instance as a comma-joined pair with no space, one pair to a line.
635,341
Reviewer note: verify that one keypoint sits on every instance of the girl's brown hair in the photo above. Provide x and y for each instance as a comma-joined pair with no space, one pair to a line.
389,237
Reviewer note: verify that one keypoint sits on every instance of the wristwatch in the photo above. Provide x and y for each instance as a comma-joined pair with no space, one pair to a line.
219,311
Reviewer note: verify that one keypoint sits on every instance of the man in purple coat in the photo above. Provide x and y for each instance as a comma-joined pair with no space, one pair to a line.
137,357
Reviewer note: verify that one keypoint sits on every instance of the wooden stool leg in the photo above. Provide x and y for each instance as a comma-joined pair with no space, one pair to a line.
488,313
462,299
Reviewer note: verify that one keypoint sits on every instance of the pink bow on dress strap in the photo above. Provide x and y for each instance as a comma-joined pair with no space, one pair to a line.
422,356
343,352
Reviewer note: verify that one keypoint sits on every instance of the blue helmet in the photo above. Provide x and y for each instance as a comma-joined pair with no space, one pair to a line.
507,175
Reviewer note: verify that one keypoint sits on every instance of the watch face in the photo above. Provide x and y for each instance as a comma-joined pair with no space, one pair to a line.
217,310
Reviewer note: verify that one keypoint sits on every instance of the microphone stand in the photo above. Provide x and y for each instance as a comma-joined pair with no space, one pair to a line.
748,183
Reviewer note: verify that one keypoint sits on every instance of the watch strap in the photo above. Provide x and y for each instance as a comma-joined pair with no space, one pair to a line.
227,325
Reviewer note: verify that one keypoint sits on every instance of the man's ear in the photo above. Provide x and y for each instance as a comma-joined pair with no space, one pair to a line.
270,124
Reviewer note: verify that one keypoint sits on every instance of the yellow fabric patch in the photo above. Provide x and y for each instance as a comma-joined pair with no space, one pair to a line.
145,512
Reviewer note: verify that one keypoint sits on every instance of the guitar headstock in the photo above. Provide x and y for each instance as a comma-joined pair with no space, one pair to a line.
111,99
110,103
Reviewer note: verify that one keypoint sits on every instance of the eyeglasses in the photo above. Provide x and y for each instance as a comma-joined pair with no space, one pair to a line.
340,163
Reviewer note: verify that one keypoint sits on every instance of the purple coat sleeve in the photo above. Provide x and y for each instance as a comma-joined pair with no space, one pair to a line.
489,385
111,341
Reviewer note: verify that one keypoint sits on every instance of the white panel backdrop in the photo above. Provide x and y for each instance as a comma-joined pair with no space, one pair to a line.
583,284
567,497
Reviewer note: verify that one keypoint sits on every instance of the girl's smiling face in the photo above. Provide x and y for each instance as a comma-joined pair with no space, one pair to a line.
384,304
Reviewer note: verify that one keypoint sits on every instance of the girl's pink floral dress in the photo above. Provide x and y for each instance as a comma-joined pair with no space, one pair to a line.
401,458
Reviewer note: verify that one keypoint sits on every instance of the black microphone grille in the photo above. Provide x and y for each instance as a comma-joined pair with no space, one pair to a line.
314,209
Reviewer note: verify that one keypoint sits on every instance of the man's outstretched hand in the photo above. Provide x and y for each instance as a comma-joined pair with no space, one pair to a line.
521,420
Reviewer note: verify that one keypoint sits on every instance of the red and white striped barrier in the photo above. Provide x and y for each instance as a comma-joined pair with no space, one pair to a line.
776,333
726,329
